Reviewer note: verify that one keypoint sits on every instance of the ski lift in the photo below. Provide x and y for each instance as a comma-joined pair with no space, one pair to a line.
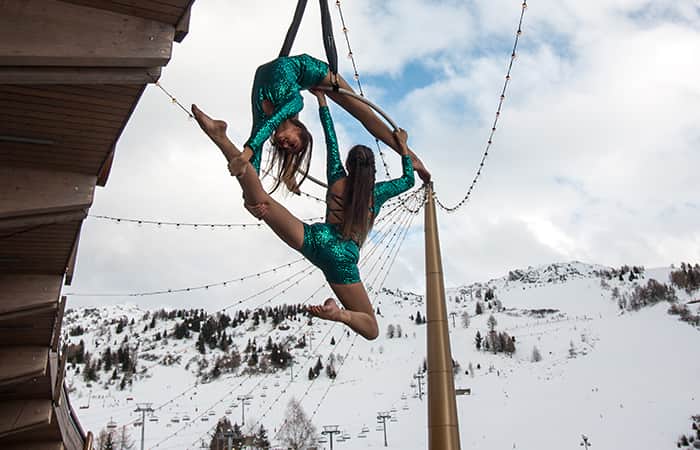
153,419
405,407
186,418
263,395
111,425
227,412
88,402
277,384
212,413
323,440
205,419
137,424
403,396
379,428
365,429
264,386
346,436
175,419
393,419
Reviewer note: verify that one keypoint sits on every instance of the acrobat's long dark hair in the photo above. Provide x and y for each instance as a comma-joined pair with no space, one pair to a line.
290,164
357,198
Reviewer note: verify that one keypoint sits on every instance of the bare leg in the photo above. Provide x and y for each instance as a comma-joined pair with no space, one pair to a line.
370,121
358,313
283,223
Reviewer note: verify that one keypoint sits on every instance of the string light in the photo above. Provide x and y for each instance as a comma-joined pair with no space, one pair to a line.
502,97
187,289
212,226
356,76
267,375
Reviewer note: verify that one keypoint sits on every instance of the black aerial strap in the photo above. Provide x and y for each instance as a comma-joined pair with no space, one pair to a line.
327,30
293,28
328,41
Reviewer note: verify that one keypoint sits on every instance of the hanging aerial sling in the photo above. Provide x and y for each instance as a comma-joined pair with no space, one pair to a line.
326,29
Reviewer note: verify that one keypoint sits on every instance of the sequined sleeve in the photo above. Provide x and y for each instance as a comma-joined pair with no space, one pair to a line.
384,190
334,167
263,129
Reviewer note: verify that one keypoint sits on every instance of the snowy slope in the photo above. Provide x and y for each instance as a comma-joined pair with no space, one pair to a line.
624,379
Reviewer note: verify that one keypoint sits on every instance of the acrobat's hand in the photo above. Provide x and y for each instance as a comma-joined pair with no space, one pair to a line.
419,167
401,137
320,96
237,166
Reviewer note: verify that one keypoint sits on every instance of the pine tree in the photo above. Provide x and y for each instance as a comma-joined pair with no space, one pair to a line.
492,323
261,440
479,308
419,319
318,367
477,340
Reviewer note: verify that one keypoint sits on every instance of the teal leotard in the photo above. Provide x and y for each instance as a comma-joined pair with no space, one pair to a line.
280,81
323,243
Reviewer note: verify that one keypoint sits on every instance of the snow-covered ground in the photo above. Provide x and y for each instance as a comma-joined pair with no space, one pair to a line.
624,379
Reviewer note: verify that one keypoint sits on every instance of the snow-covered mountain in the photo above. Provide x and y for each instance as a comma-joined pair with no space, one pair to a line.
614,365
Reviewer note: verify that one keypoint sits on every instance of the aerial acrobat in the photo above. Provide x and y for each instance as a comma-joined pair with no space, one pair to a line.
353,201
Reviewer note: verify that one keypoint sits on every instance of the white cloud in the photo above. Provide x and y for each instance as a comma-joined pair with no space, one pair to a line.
594,158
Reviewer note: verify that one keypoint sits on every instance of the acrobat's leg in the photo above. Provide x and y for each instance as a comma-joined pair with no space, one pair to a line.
373,123
358,313
289,228
360,111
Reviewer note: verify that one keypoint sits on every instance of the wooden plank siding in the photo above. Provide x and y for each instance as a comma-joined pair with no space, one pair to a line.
71,74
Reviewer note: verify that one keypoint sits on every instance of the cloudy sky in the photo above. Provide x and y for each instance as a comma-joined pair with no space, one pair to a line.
595,158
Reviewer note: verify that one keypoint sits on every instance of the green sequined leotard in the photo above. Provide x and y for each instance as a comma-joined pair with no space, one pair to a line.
280,81
323,243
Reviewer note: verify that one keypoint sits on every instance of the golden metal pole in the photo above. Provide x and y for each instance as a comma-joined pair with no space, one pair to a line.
443,426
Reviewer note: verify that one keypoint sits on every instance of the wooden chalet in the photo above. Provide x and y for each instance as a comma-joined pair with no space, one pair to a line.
71,73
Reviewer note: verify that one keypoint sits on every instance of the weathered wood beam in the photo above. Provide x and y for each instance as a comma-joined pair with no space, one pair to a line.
28,293
183,26
103,174
60,374
23,415
56,33
78,75
58,325
74,436
43,445
28,222
70,267
31,192
22,363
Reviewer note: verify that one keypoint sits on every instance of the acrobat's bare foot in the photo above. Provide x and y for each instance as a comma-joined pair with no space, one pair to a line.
215,129
328,311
